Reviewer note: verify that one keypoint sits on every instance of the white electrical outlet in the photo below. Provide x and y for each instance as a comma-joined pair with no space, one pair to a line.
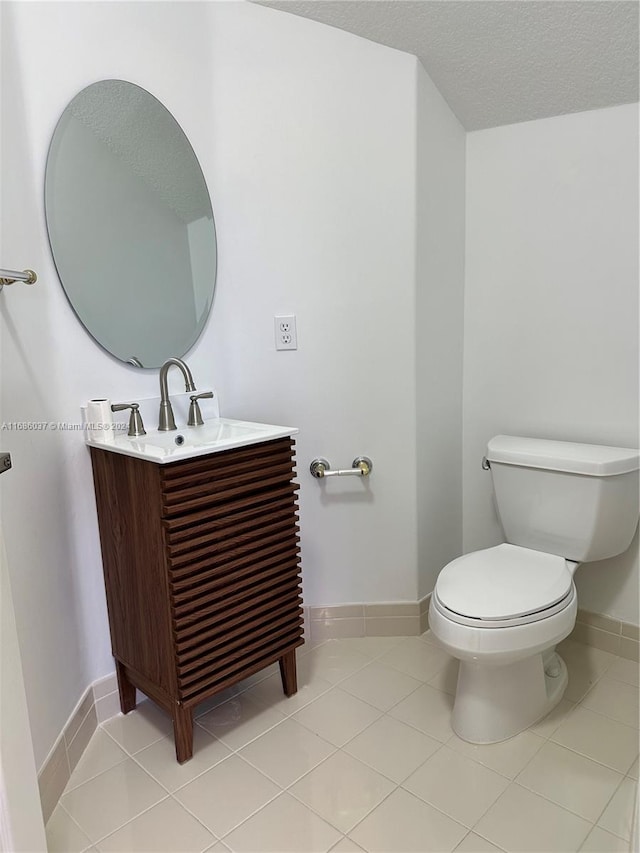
285,329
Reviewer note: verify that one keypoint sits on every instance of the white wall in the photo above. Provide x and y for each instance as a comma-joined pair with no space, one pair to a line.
439,312
315,182
21,824
551,306
306,136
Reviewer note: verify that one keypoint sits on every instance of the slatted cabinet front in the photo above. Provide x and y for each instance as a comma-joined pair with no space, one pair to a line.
209,550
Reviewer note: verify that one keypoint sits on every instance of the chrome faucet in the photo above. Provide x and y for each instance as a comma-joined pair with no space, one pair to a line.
166,421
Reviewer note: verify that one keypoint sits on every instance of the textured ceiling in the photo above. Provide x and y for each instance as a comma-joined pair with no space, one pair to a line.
503,61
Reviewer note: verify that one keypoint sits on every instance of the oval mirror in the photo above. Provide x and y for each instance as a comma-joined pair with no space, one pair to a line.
130,223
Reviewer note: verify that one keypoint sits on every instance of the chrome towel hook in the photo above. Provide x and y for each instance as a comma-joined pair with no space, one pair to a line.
360,467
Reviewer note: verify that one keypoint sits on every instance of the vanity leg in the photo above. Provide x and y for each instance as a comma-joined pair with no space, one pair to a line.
183,732
288,673
126,689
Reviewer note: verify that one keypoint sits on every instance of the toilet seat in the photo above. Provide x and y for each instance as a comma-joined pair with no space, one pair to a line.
504,586
476,622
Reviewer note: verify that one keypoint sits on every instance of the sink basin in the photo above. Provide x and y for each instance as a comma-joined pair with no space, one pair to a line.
187,442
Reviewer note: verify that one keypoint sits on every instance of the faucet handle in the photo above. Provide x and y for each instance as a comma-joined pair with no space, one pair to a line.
136,427
195,415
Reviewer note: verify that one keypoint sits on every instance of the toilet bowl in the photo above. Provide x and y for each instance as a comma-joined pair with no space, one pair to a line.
502,619
501,611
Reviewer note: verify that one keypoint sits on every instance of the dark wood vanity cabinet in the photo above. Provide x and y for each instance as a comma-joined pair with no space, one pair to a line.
202,573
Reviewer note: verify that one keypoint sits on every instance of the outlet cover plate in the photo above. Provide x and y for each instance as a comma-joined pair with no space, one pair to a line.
285,331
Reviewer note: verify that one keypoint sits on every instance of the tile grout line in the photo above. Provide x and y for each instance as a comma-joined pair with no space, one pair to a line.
366,728
424,802
285,789
566,808
127,755
216,837
422,684
336,749
575,814
624,773
68,790
446,814
400,786
186,784
509,780
601,713
552,802
160,782
396,785
291,713
579,705
297,799
124,748
130,820
395,704
92,778
484,837
358,822
111,832
236,826
621,680
251,740
618,786
77,731
74,821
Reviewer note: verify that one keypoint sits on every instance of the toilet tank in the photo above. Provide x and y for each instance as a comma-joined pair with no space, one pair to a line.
579,501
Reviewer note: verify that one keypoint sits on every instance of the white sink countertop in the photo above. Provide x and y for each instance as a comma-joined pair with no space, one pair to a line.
185,442
189,442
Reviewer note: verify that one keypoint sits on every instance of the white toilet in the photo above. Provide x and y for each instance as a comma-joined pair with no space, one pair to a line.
501,611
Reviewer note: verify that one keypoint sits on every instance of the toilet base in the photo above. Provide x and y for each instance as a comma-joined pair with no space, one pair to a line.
494,703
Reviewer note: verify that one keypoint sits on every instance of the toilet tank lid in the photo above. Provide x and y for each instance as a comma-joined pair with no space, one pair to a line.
596,460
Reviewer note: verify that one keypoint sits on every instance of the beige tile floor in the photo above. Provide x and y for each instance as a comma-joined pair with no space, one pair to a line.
363,758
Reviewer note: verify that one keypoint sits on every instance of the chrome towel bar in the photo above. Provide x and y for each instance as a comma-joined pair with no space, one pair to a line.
360,467
11,276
